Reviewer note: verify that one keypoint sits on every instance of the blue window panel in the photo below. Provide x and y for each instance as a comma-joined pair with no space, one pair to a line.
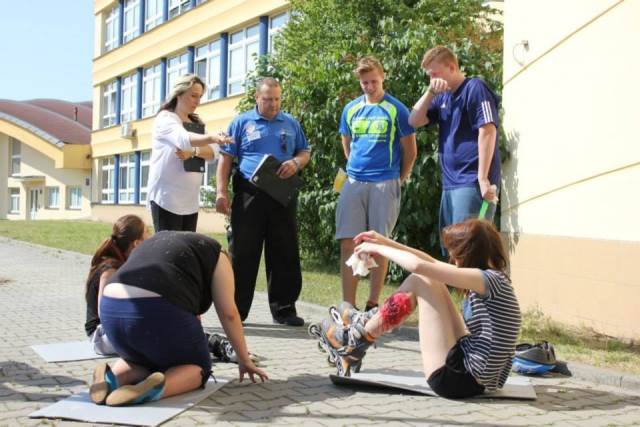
116,180
224,60
120,22
136,180
190,59
118,99
139,93
165,11
163,79
143,7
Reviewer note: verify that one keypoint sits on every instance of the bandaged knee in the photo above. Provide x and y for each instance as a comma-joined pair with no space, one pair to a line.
395,309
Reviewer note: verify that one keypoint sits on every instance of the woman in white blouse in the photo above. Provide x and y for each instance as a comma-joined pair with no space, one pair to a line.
173,192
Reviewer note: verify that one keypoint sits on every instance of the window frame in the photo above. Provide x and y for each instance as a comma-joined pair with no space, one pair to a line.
151,76
210,54
16,157
70,197
128,92
14,198
144,189
179,70
274,31
248,64
111,28
108,104
178,7
108,165
131,7
49,191
155,20
126,174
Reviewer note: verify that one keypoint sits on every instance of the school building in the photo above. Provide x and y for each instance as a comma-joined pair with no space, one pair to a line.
45,159
141,48
570,204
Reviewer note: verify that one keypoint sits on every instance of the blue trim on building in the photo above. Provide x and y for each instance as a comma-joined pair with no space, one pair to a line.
193,4
116,179
139,72
143,9
165,11
118,99
263,48
136,180
163,79
191,54
120,22
224,60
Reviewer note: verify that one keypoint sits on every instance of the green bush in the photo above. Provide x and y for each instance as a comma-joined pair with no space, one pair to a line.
314,59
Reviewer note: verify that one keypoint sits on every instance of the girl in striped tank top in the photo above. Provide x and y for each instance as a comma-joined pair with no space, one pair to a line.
465,354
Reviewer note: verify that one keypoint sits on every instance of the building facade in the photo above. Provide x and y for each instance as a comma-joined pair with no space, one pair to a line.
570,204
45,159
141,48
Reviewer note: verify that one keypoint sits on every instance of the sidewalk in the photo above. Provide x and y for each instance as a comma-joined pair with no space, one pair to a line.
41,301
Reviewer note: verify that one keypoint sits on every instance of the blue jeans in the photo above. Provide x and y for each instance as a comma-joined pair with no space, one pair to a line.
459,204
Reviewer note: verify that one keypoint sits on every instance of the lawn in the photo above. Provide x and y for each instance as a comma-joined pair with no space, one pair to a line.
321,285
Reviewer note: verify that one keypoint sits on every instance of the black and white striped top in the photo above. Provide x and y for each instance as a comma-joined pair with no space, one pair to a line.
494,326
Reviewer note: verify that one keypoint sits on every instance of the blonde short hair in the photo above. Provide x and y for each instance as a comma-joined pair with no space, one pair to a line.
439,54
367,64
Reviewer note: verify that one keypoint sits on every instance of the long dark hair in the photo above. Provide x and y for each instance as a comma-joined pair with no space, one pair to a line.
115,249
475,243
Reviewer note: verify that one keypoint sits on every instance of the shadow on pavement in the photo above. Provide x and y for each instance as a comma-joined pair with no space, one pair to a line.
22,375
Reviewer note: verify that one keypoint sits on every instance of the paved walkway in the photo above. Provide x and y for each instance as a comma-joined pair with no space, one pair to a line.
41,301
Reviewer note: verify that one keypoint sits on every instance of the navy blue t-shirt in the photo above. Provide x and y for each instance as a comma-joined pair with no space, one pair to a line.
459,115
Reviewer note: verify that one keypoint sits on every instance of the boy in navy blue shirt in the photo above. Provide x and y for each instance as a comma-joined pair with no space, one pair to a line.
466,112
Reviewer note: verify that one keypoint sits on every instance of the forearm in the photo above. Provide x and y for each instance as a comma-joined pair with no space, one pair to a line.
346,146
200,140
206,152
302,158
409,153
486,146
222,175
418,116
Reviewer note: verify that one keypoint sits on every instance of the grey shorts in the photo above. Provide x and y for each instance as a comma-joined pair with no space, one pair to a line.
364,206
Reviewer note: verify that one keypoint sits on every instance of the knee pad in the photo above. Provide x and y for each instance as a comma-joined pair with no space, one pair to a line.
395,309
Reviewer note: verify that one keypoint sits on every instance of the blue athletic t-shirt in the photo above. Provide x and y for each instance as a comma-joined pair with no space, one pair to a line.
254,136
375,131
459,116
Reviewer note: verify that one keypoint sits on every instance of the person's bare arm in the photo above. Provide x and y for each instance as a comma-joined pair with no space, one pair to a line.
409,153
486,145
104,278
222,184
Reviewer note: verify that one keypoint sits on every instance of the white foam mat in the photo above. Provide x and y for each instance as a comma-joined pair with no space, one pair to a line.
515,388
79,407
67,351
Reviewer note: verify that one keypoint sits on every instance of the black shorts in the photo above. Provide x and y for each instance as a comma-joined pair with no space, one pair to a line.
452,380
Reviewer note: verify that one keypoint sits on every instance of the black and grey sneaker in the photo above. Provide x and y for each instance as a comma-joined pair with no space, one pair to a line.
222,350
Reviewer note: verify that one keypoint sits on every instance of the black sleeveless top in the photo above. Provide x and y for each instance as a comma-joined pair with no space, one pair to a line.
178,265
93,320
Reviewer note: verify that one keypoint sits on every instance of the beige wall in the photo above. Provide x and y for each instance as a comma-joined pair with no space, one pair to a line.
570,191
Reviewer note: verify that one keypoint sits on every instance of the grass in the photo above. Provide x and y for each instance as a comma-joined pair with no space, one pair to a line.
321,285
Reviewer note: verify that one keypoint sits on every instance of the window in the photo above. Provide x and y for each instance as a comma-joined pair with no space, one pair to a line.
16,156
152,13
145,157
109,104
75,197
53,197
111,23
207,67
126,177
107,166
151,90
131,28
177,7
176,67
14,200
207,176
128,98
243,45
276,23
199,2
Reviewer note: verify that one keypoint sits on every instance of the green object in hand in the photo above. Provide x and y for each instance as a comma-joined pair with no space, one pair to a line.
483,209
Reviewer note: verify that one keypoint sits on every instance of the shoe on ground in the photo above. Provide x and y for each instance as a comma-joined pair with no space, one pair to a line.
150,389
104,382
288,316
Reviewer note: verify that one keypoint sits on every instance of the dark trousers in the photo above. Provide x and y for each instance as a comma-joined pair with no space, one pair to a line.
165,220
257,220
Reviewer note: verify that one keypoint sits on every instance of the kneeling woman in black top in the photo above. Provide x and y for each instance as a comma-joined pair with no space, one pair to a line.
149,311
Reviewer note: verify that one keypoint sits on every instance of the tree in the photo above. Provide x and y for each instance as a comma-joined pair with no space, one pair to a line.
314,59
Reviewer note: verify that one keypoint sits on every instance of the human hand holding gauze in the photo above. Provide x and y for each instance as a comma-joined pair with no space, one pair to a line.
360,264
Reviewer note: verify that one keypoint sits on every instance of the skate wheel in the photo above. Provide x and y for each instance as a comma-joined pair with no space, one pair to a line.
314,330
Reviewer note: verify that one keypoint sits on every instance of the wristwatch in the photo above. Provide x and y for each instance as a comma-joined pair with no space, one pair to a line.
297,162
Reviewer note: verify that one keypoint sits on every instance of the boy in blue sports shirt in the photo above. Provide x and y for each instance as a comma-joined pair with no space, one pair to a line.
380,148
466,112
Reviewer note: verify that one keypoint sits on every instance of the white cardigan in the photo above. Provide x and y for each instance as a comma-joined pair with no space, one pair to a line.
170,187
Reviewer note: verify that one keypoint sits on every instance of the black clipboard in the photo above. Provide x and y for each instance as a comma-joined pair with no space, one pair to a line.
194,164
266,179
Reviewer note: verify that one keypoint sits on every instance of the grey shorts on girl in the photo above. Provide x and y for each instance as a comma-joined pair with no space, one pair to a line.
364,206
101,343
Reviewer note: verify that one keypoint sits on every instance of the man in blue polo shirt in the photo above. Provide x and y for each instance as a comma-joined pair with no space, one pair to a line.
257,219
380,148
466,112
